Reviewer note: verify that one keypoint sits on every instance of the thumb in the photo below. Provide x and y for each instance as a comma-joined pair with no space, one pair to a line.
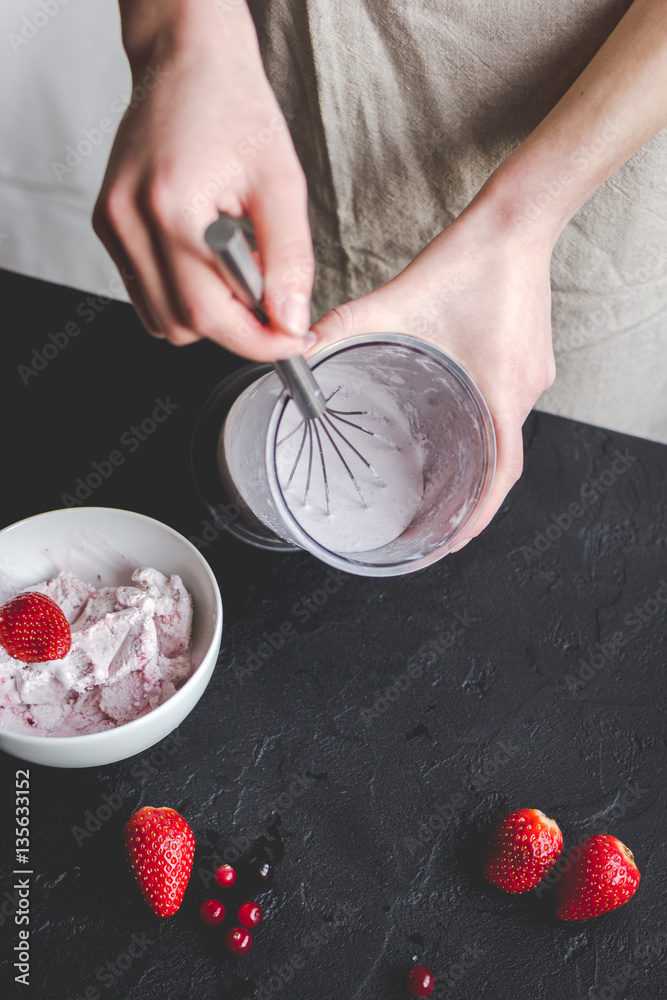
337,324
280,218
376,312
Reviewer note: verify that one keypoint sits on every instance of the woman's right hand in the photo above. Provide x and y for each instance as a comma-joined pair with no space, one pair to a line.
204,134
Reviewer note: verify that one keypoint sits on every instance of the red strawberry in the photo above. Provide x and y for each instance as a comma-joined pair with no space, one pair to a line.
601,877
524,845
33,628
161,847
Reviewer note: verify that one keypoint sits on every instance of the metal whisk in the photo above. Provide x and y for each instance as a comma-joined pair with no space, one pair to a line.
320,421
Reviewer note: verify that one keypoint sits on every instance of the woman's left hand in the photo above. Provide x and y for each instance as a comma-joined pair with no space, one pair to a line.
480,291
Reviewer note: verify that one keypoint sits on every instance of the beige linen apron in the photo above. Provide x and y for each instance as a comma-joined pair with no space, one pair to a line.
400,110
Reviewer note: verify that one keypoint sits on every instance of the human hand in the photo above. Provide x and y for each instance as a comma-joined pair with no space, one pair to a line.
481,292
207,137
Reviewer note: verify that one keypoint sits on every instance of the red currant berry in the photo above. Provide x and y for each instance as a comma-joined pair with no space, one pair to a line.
420,981
212,912
225,876
250,914
238,940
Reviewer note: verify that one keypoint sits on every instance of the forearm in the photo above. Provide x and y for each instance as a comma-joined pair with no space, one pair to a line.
614,107
149,27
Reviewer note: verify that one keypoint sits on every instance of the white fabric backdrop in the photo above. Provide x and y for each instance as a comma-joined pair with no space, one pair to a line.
62,73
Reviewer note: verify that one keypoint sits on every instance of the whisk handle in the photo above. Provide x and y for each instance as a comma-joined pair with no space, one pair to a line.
235,260
298,379
226,239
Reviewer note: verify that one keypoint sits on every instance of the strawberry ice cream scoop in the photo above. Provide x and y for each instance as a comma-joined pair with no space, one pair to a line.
130,652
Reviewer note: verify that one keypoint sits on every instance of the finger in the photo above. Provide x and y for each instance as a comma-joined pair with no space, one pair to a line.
127,235
509,466
278,209
206,304
129,279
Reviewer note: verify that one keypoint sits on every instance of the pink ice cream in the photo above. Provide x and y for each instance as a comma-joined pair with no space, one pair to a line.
130,652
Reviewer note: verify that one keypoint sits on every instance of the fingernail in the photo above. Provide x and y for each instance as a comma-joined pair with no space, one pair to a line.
294,314
303,345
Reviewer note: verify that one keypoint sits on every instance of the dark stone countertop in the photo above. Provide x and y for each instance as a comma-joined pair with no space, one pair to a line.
371,753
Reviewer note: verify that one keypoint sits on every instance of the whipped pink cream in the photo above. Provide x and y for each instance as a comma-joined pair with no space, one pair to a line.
130,652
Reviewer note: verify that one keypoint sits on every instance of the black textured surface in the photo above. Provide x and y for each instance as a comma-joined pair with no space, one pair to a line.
368,765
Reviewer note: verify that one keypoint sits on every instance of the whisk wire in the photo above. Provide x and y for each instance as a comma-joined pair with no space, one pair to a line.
293,431
310,459
368,465
324,467
346,466
308,426
337,415
298,455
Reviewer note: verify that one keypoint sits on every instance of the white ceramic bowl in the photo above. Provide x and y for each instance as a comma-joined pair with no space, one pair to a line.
104,546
